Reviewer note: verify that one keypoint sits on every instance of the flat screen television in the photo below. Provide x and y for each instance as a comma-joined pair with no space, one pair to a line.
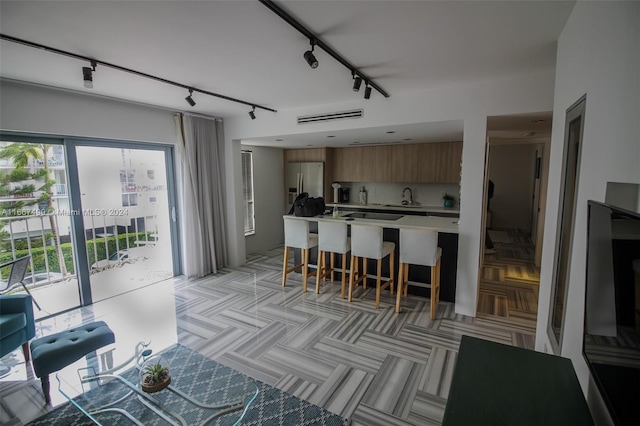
611,344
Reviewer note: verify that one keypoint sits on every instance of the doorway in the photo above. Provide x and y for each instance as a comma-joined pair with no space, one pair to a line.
515,165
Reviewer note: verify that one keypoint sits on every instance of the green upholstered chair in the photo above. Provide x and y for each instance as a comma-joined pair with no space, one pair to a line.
17,324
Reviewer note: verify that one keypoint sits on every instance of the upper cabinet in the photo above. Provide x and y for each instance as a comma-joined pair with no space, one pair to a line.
439,162
305,155
421,163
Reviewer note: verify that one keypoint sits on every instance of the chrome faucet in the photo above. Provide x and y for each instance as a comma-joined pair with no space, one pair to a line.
404,200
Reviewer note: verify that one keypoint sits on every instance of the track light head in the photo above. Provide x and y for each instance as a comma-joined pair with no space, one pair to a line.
356,84
87,75
252,113
310,57
367,91
189,99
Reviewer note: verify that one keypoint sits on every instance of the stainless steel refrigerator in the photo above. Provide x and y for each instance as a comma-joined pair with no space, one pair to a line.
303,177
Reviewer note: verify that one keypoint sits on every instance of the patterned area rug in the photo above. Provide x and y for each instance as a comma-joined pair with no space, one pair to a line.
271,406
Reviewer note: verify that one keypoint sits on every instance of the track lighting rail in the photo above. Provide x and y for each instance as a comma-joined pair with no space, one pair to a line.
95,62
311,36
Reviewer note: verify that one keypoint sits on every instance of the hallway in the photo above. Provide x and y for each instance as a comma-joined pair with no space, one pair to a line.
509,284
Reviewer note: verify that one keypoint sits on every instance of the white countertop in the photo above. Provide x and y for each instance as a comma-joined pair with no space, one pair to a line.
440,224
398,207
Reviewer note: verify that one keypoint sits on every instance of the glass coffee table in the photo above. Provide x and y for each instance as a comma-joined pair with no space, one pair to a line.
201,391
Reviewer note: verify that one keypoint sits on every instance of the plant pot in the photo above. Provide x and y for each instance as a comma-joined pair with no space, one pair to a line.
155,387
162,374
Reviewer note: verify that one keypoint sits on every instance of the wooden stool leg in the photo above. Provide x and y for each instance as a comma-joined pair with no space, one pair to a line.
378,283
353,272
399,288
305,269
46,386
344,273
438,265
332,255
406,278
284,266
364,272
392,260
434,285
320,269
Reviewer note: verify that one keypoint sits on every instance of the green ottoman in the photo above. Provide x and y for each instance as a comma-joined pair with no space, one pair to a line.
52,353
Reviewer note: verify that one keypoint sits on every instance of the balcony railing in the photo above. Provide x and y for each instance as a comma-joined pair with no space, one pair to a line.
31,234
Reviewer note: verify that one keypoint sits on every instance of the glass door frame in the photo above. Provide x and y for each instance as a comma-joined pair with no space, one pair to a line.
77,221
69,145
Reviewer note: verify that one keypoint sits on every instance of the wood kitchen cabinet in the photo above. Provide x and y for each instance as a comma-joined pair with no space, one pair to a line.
348,164
363,164
305,155
419,163
439,162
405,163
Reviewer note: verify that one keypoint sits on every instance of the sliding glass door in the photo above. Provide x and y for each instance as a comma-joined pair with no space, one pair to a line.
96,218
35,221
125,199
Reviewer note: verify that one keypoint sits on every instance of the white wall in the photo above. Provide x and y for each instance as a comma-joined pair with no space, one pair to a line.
38,109
512,170
598,54
471,103
268,193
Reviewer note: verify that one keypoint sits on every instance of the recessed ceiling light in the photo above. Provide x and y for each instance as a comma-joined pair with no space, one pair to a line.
331,136
391,131
279,140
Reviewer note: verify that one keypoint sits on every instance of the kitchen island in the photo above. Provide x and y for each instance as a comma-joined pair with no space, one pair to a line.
447,228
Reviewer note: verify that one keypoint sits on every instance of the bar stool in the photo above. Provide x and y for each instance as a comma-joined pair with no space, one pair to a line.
332,238
419,247
296,235
367,242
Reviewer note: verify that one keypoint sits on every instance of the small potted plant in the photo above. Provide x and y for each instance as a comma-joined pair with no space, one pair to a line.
449,201
155,375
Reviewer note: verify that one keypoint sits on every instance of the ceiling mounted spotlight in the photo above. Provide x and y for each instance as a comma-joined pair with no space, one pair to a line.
252,113
367,91
189,98
357,81
310,57
87,75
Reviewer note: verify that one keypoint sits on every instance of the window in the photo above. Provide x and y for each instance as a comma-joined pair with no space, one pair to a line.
247,184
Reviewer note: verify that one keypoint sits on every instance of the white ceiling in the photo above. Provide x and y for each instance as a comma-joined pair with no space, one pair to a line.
243,50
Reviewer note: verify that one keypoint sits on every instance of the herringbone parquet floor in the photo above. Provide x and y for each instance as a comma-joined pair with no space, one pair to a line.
375,367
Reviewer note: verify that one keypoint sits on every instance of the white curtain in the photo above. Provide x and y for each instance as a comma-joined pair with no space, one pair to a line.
204,240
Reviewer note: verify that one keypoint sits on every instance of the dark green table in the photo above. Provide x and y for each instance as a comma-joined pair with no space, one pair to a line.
496,384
